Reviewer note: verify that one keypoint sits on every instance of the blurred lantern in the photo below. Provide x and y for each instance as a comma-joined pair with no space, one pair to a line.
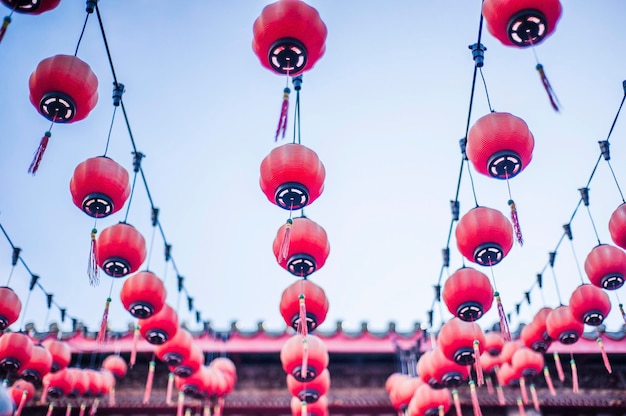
309,391
18,388
58,384
457,339
96,383
194,385
534,337
219,385
304,357
589,304
61,353
318,408
10,307
445,372
484,236
303,302
191,364
292,176
403,391
562,325
80,384
176,350
527,362
507,375
160,327
120,250
426,371
489,362
38,365
493,343
509,348
307,250
64,90
108,380
395,378
617,226
606,266
143,294
227,367
468,294
15,351
116,365
430,402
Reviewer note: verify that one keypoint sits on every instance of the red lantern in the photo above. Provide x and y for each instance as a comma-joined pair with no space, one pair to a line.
191,364
308,247
403,391
468,294
99,186
319,408
10,307
500,145
509,348
521,23
292,176
457,341
108,380
15,351
143,294
80,384
617,226
176,350
195,384
61,353
33,7
489,362
38,365
315,304
289,37
484,236
58,384
447,373
310,391
120,250
218,384
292,353
227,367
116,365
589,304
562,325
17,389
96,383
527,362
534,337
507,375
160,327
426,371
493,343
606,267
428,401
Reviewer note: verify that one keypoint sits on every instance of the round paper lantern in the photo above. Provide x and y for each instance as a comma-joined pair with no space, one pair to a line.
120,250
589,304
617,226
605,266
99,187
80,384
218,385
562,325
292,352
403,391
310,391
22,385
319,408
160,327
509,348
427,401
61,353
308,247
96,383
194,385
394,378
527,362
521,23
289,37
227,367
468,294
191,364
315,302
38,365
15,351
33,7
292,176
108,380
58,384
143,294
116,365
493,343
489,362
484,236
176,350
534,337
447,373
10,307
63,89
456,341
507,376
426,371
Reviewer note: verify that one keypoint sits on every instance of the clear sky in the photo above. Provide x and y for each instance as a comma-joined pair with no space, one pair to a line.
384,109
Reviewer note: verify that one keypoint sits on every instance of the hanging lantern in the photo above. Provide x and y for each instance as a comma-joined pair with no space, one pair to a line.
292,176
99,186
489,362
562,325
143,294
426,371
10,307
617,226
319,408
289,37
468,294
191,364
96,383
606,267
527,362
457,339
160,327
484,236
308,247
493,343
227,367
509,348
38,365
589,304
315,304
310,391
403,391
194,385
61,353
80,384
447,373
109,380
299,350
17,389
507,376
176,350
534,337
430,402
15,351
120,250
33,7
58,384
395,378
116,365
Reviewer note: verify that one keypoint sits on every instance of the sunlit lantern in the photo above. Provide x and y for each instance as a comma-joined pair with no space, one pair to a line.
430,402
617,226
304,294
468,294
589,304
458,340
292,176
143,294
484,236
308,247
99,186
10,307
606,266
562,325
289,37
61,353
309,391
318,408
176,350
160,327
15,351
38,365
120,250
298,347
116,365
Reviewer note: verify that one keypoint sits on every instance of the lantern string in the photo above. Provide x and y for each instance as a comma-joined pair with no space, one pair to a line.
486,91
580,273
619,189
130,197
593,224
297,83
556,283
106,148
82,32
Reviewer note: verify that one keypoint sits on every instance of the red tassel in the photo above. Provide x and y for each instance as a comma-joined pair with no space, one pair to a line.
133,349
305,357
50,409
23,399
188,411
546,84
559,367
149,381
548,377
480,378
474,395
605,357
303,411
44,393
103,324
284,109
504,325
112,397
5,25
81,412
520,407
68,409
515,221
94,407
489,383
34,165
302,326
170,389
219,408
284,246
207,410
501,400
92,267
533,394
574,376
441,410
181,404
457,402
523,391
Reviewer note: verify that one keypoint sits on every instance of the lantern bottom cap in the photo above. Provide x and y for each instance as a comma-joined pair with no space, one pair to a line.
287,56
527,28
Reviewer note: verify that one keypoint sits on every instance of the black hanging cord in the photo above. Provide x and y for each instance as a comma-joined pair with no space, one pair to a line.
82,32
